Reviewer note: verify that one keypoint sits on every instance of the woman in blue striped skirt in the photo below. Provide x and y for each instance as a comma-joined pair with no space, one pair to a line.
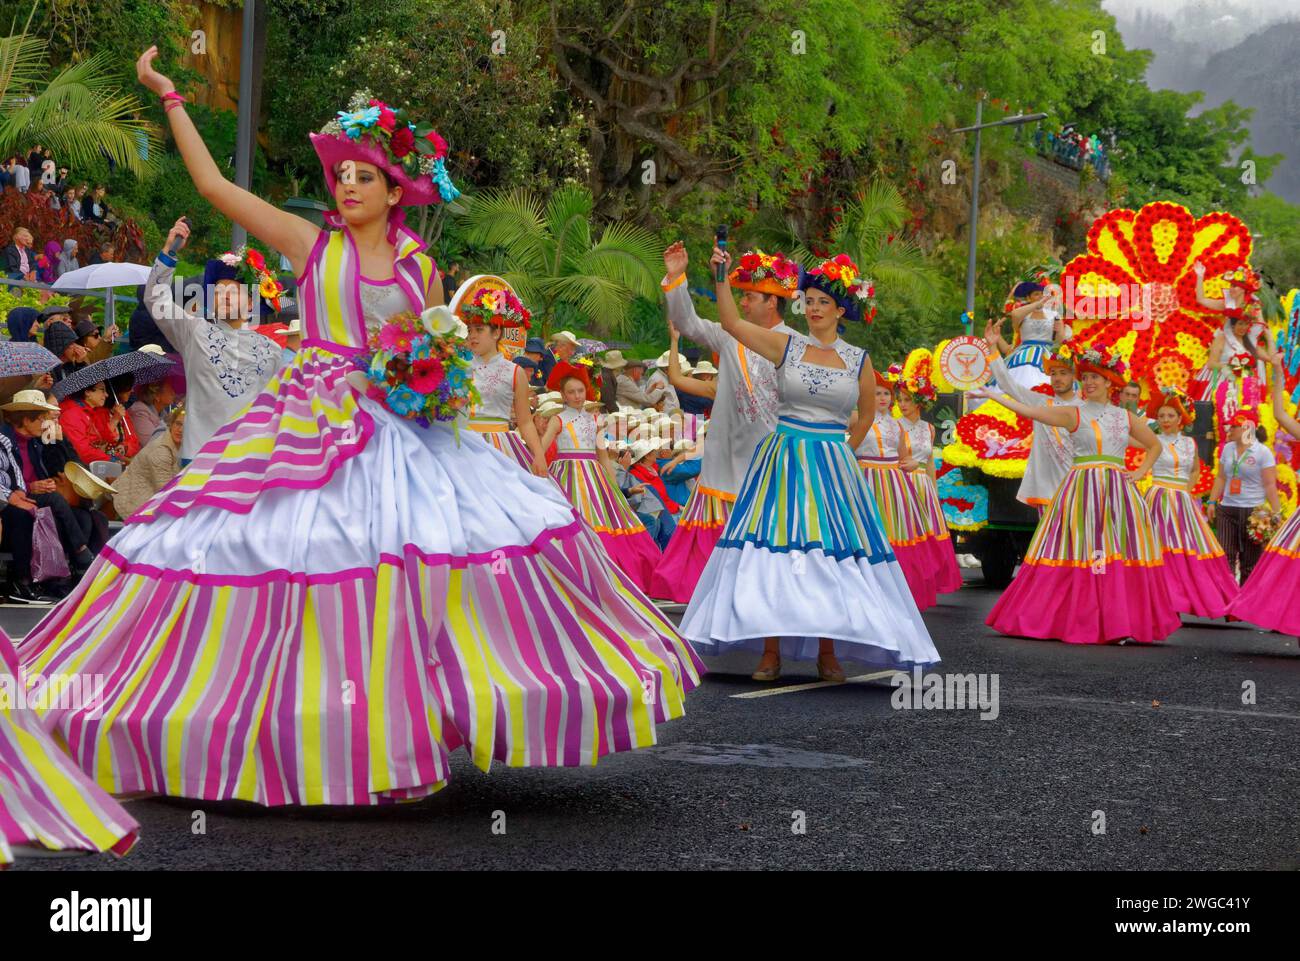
803,567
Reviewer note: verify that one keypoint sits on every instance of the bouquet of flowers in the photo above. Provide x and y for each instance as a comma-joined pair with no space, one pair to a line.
1241,364
419,367
253,272
1262,524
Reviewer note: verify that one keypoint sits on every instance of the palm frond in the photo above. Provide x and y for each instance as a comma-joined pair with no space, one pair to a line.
568,218
604,303
22,66
627,254
876,213
512,220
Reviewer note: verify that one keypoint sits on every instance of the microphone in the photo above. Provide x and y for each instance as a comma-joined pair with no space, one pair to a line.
720,238
178,242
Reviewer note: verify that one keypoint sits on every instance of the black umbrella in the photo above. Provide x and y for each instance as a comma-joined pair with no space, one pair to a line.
138,362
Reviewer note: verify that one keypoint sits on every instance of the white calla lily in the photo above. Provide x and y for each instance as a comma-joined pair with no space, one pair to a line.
441,322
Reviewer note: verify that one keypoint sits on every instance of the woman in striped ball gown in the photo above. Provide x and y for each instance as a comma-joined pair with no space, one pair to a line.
1268,598
332,598
803,568
1196,569
580,470
917,460
900,511
1093,573
46,802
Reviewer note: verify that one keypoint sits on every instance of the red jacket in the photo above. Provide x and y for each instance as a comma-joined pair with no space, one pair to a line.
87,429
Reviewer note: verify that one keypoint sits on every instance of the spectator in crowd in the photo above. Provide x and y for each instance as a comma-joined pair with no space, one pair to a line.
629,372
536,351
120,391
451,281
56,314
34,160
21,320
88,338
147,407
655,507
657,387
67,258
142,330
47,263
72,201
60,185
529,366
91,427
37,195
22,176
39,464
93,208
158,462
104,255
679,470
6,173
20,259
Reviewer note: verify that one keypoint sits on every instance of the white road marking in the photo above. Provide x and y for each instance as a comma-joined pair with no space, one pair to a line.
791,688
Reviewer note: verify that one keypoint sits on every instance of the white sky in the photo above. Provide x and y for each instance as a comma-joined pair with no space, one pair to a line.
1279,9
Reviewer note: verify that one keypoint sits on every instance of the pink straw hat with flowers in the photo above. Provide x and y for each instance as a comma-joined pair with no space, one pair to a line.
370,131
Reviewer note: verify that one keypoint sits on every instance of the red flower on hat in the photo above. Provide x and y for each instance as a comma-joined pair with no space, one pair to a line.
255,260
750,261
387,119
439,145
402,142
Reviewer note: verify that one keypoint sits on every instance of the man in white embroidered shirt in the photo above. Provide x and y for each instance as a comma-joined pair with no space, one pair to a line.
744,411
226,363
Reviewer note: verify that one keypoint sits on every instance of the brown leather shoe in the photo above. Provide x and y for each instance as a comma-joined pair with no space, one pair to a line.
828,669
769,668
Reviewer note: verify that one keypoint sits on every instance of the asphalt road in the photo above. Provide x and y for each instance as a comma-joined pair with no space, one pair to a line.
1155,738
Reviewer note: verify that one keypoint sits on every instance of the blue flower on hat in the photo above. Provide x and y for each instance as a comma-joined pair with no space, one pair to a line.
355,124
445,187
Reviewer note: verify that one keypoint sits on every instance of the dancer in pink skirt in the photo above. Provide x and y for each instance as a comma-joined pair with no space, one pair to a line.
580,470
1093,573
1268,598
917,460
905,526
1196,570
46,803
486,304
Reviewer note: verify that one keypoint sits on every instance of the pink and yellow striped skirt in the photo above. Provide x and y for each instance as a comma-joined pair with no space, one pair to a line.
602,505
1094,571
905,526
1196,570
497,432
947,572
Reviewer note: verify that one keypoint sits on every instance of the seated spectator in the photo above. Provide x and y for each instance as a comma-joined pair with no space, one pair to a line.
104,255
22,177
20,259
679,469
158,462
655,507
93,208
61,341
120,390
67,258
47,263
40,463
147,407
37,195
91,427
72,201
21,320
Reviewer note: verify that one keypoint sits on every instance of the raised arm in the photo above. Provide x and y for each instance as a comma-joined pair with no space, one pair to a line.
176,323
1005,382
681,310
289,234
1284,420
1209,303
768,343
680,382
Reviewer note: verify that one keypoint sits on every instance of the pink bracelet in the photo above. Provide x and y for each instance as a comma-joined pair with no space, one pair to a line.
173,96
171,104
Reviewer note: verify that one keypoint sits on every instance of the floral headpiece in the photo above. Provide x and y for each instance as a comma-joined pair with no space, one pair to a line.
1098,360
921,389
250,269
839,278
499,308
1064,356
1172,397
766,274
1244,278
416,149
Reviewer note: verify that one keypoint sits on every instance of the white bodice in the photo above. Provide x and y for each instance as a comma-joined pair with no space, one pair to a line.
920,437
1101,425
883,439
814,393
495,380
578,430
1038,328
1177,457
381,301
